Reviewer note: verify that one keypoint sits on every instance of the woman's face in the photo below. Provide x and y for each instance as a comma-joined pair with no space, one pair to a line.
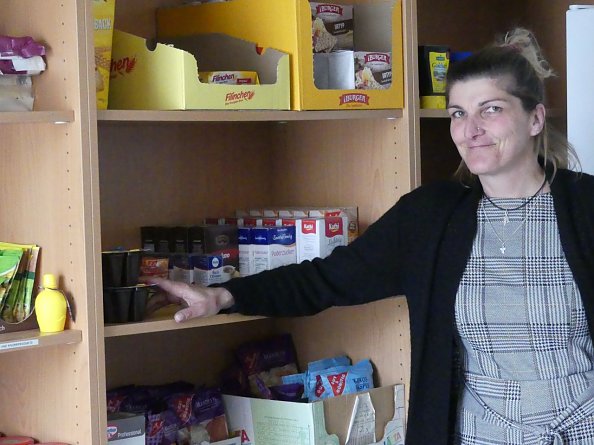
492,131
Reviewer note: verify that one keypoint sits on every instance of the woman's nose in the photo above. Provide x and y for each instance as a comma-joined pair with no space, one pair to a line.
473,129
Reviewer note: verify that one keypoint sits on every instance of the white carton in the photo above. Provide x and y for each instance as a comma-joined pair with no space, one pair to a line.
272,422
273,247
246,262
318,237
351,212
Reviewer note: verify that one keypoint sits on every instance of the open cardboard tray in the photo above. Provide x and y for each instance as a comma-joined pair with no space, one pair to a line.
166,77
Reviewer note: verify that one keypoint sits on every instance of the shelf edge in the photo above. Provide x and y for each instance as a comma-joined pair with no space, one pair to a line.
17,341
168,324
24,117
243,115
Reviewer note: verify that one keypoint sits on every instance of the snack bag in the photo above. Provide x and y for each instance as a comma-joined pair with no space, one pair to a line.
265,362
339,380
103,18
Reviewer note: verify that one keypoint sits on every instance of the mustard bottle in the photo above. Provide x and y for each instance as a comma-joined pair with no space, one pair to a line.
50,306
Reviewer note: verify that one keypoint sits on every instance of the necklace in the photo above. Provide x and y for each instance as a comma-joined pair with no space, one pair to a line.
524,204
500,238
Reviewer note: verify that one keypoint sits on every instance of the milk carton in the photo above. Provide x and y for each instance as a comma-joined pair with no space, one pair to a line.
272,247
318,237
246,262
351,213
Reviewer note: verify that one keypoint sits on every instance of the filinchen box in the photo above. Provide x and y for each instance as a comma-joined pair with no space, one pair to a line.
166,77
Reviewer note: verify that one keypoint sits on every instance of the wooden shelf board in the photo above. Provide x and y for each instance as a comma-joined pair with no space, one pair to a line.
162,320
243,115
16,341
51,117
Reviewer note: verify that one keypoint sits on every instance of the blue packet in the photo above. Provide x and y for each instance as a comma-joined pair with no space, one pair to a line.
326,363
340,380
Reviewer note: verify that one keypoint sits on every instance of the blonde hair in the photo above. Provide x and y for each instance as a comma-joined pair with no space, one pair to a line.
517,57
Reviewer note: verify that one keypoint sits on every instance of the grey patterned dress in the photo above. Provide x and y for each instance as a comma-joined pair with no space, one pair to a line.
526,352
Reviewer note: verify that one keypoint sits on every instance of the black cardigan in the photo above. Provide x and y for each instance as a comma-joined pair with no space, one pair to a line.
419,248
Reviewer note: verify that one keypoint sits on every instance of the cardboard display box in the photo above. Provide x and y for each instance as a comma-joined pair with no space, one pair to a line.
166,78
28,323
326,422
287,26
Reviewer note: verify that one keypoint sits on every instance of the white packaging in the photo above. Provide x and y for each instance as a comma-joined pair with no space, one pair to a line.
351,212
318,237
272,247
246,262
208,269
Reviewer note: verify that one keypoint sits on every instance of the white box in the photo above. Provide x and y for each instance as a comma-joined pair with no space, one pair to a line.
273,247
125,429
246,262
318,237
351,212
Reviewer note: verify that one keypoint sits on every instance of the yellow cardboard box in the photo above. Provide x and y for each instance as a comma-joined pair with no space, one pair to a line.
286,25
103,17
166,77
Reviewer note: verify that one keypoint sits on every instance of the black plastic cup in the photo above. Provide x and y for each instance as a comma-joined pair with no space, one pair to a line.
116,304
132,268
138,304
120,268
112,266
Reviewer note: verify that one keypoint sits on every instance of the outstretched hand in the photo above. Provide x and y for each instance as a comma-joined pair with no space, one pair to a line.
199,301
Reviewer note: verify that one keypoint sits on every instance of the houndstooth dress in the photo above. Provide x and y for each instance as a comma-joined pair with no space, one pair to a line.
526,352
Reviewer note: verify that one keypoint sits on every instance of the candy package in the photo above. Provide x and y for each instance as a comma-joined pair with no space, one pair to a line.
266,362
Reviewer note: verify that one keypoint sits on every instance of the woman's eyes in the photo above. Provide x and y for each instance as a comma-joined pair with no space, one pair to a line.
491,109
485,112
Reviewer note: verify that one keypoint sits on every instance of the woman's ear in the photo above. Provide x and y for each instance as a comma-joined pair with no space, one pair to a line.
538,120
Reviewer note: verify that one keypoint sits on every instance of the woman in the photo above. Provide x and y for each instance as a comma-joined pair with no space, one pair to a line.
496,267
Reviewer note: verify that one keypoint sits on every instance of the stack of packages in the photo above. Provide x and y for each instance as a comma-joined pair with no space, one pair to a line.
175,413
267,369
17,276
20,58
336,65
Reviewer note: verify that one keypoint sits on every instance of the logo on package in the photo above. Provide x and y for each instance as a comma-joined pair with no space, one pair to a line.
354,99
337,383
377,57
121,67
309,227
329,9
241,96
112,431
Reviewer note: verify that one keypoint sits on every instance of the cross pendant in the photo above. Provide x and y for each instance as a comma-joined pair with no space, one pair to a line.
502,249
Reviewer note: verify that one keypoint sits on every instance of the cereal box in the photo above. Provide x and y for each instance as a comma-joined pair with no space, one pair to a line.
103,18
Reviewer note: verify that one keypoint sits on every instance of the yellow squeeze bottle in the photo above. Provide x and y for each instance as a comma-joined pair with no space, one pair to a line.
50,306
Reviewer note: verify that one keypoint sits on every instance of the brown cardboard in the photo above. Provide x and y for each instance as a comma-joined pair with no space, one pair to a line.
28,323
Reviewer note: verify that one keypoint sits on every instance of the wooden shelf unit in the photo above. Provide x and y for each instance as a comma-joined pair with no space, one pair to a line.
92,182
